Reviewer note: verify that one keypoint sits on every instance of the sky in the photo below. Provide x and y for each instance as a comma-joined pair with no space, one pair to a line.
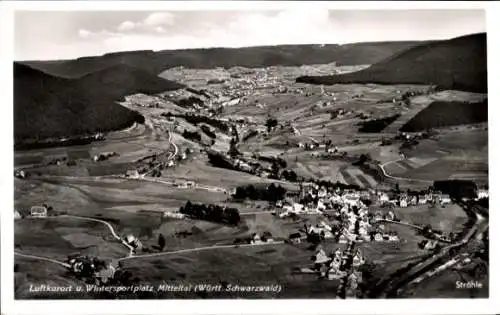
51,35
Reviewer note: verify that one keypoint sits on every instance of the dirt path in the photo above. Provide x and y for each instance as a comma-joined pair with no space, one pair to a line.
42,258
190,250
110,227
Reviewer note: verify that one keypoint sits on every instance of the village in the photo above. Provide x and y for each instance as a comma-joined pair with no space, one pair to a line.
351,216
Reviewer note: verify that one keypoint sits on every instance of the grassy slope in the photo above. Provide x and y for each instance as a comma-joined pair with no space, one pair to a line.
252,57
47,106
443,114
458,63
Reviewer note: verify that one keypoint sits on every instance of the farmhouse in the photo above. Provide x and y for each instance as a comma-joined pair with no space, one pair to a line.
383,197
38,212
132,174
20,174
17,215
258,239
133,241
173,215
184,184
358,259
445,199
295,238
390,216
403,201
392,237
482,193
378,237
321,258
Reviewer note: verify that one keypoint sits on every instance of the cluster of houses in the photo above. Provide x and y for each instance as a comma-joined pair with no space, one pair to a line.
184,184
21,174
174,215
34,212
103,156
348,205
153,172
266,237
93,269
406,199
482,194
336,265
357,222
256,239
287,208
428,244
310,145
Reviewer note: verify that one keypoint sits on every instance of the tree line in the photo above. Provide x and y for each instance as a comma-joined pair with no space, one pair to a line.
270,193
191,135
211,212
196,119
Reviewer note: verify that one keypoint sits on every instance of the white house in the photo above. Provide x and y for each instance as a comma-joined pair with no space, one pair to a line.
383,197
17,215
297,207
422,199
321,206
393,238
445,199
256,239
336,274
132,174
38,212
430,245
413,200
366,237
482,193
130,239
174,215
378,237
322,193
403,202
335,264
338,253
358,259
350,200
390,215
321,257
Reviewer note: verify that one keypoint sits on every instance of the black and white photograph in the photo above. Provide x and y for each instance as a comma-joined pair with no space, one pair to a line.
254,153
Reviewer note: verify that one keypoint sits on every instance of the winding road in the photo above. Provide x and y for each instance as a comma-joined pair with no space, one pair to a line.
110,227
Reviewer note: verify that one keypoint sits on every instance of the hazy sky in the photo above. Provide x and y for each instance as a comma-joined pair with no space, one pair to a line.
71,34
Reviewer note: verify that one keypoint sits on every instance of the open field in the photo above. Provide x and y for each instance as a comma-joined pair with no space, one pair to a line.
271,265
461,154
449,218
59,237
